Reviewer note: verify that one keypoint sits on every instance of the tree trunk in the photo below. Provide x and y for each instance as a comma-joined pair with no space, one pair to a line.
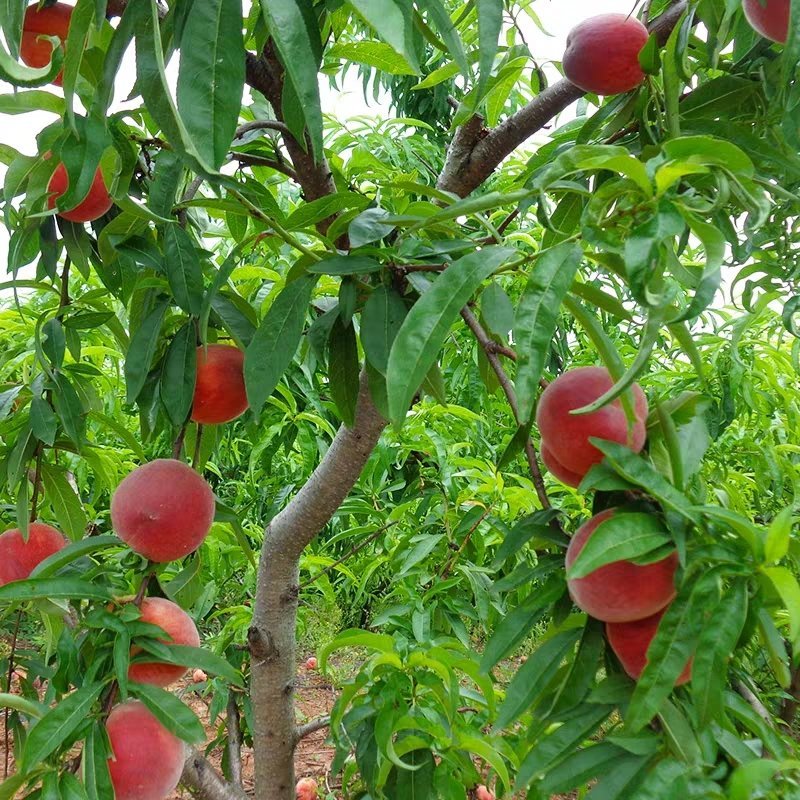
272,634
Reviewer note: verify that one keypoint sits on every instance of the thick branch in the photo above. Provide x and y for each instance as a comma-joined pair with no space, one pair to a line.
473,156
202,778
322,494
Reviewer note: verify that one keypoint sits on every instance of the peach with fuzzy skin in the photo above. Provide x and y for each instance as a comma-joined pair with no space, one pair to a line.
602,54
621,591
311,663
198,676
566,436
163,510
769,18
180,629
147,759
53,21
219,393
559,470
19,558
484,793
630,640
93,206
306,789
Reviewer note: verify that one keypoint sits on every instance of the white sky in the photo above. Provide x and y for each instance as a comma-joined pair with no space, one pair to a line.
20,131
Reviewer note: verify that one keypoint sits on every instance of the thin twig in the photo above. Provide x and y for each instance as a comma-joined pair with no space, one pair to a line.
37,482
177,447
197,442
8,688
248,160
262,124
451,562
351,552
790,704
505,383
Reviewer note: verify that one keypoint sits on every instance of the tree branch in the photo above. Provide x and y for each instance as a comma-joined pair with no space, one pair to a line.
311,727
262,124
201,777
505,383
474,155
233,723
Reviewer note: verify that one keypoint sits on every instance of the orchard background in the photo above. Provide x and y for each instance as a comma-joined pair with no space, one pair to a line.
411,295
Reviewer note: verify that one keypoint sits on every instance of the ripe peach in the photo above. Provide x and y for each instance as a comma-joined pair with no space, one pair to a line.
566,436
163,510
558,469
483,793
602,54
311,663
219,394
94,205
52,21
180,629
630,640
148,760
19,558
770,18
306,789
621,591
198,676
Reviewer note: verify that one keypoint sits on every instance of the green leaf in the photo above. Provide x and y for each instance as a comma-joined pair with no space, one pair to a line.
74,551
317,210
381,642
53,589
275,342
34,100
69,408
343,370
526,529
381,319
211,76
490,23
94,764
23,705
532,678
537,315
142,349
345,265
19,75
184,272
715,647
56,727
65,502
556,746
670,650
292,24
392,21
173,714
776,545
425,329
201,658
44,422
80,21
517,624
621,537
374,54
179,375
441,20
787,587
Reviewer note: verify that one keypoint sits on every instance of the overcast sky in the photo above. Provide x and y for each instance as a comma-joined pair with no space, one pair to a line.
20,131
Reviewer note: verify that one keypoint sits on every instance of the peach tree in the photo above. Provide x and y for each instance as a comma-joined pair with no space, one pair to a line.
205,270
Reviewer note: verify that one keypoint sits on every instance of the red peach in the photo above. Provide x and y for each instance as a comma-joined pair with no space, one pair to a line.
147,759
306,789
19,558
484,793
94,205
630,641
52,21
621,591
311,663
770,18
163,510
559,470
198,676
567,435
602,54
219,394
180,629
